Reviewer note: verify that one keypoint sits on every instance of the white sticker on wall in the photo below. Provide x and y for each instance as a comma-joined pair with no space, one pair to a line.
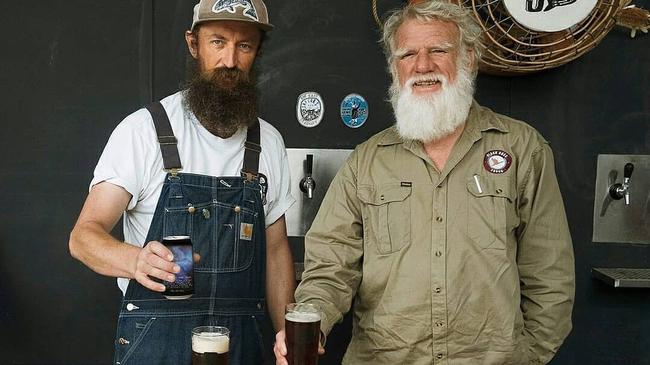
310,109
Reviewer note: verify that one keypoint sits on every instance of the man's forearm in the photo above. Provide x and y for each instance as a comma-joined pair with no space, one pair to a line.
97,249
280,285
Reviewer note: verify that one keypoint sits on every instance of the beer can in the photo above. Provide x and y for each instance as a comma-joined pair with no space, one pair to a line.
183,286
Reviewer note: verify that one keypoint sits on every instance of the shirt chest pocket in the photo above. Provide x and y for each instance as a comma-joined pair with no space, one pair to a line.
490,206
386,217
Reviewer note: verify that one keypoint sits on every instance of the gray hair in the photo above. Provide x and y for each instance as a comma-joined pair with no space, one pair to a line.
428,10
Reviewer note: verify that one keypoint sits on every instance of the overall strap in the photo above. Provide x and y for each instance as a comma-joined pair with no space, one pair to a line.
166,139
252,152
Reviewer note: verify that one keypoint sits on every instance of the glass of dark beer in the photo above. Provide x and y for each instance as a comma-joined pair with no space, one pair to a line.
302,326
210,345
183,286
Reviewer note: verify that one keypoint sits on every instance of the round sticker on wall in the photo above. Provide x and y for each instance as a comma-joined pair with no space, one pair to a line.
497,161
354,110
309,109
549,15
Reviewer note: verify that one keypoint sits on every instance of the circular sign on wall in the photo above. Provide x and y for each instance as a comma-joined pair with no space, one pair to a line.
354,110
549,15
310,109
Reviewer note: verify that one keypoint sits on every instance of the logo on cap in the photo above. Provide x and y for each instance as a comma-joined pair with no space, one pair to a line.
230,5
497,161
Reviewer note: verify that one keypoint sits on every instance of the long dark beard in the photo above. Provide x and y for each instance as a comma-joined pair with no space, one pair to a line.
223,101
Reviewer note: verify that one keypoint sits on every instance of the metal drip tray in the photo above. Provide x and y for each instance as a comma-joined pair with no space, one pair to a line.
623,277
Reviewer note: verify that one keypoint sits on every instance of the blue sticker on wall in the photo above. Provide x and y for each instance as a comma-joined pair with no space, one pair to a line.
354,110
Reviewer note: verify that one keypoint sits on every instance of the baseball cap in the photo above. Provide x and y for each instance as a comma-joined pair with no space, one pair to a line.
252,11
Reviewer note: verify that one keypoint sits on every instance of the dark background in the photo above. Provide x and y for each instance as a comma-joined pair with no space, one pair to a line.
71,70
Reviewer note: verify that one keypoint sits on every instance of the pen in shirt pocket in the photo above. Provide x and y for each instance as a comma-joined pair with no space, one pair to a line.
478,184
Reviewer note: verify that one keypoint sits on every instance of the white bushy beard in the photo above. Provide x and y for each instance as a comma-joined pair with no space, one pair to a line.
429,117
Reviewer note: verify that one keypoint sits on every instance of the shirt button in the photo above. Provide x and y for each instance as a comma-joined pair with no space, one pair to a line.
438,253
438,219
439,324
439,356
437,290
499,191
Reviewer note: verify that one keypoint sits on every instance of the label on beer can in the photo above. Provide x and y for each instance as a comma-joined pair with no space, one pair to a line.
183,286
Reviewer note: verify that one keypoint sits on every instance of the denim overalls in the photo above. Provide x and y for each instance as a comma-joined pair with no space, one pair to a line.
224,218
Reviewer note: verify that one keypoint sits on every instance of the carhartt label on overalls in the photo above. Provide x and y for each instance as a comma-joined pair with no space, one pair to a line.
246,231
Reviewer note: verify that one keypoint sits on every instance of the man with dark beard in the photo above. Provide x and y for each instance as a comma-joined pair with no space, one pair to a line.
199,163
448,230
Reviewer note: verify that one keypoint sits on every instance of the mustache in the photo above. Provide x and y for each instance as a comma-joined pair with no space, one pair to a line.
232,76
428,77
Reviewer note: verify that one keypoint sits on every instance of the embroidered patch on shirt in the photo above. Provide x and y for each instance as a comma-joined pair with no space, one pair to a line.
497,161
246,231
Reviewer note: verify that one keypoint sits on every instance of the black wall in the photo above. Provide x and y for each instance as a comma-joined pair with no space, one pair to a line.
71,70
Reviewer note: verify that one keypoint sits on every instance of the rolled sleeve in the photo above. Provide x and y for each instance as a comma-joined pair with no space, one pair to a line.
279,195
126,159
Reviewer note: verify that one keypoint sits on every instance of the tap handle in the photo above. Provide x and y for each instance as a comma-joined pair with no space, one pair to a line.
309,164
627,171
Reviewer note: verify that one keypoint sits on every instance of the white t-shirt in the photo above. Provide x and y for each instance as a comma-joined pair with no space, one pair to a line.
132,160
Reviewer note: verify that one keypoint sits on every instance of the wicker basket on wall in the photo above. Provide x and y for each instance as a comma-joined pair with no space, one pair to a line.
512,49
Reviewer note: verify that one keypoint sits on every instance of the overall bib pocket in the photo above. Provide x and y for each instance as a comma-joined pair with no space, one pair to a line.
222,234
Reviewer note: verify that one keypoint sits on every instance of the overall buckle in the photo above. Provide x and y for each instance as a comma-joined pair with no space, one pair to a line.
173,171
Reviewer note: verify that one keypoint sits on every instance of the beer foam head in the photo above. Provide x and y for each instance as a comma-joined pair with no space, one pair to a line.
210,342
302,317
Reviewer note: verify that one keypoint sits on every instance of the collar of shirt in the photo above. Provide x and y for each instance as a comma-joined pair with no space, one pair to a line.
478,120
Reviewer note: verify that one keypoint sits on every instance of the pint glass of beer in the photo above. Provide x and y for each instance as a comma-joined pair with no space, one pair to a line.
302,326
210,345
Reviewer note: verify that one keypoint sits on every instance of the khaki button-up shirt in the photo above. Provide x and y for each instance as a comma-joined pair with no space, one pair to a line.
469,265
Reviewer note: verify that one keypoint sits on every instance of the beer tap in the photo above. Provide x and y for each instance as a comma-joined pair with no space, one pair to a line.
308,184
619,191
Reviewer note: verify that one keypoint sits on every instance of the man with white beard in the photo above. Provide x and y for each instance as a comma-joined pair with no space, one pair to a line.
447,230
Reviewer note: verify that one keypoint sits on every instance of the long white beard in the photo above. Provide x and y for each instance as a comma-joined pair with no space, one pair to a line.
429,117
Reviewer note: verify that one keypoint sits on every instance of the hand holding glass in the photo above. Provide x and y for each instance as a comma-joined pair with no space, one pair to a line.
302,325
